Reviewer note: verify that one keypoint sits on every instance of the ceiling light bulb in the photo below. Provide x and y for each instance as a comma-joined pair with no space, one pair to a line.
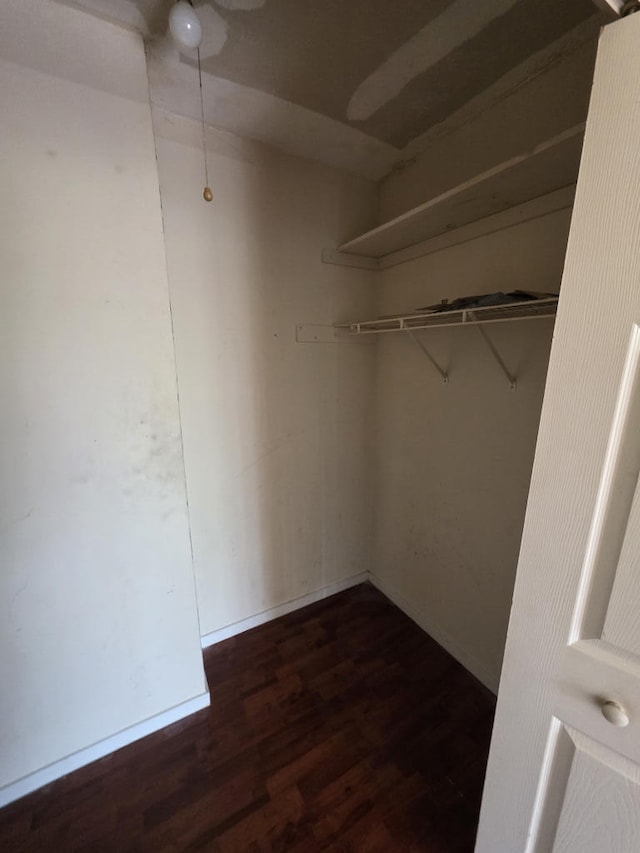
184,25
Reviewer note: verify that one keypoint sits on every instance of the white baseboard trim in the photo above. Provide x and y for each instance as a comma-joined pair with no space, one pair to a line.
15,790
33,781
437,633
433,629
220,634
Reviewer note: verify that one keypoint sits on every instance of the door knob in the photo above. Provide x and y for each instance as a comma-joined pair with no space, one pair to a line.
615,714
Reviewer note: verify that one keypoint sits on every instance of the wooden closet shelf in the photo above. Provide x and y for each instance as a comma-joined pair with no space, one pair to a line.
548,167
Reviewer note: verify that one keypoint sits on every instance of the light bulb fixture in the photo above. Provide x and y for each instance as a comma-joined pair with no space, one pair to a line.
184,25
186,30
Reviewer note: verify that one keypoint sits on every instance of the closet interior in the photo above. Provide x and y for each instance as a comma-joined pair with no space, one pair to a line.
332,373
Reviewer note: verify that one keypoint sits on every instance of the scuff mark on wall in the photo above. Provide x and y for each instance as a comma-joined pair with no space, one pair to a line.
15,597
16,520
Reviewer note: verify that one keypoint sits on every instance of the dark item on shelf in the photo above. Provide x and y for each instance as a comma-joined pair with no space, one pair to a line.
485,300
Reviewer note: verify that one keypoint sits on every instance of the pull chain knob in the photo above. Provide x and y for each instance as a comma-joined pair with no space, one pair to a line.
615,714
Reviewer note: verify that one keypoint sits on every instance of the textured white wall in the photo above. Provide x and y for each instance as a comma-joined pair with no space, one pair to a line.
277,433
454,461
99,626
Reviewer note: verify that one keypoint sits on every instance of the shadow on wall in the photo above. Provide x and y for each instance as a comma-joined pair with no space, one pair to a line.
452,491
276,441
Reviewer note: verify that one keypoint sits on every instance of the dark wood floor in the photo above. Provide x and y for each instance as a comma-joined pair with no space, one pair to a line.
339,727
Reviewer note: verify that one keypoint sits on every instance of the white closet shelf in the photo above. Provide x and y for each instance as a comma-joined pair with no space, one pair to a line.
535,309
549,166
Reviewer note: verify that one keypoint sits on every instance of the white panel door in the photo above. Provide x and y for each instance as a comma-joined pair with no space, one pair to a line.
564,768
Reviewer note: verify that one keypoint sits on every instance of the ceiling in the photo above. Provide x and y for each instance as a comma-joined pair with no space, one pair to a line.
353,82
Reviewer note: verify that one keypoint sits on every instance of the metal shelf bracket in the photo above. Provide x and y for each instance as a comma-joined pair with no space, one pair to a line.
494,352
533,309
443,374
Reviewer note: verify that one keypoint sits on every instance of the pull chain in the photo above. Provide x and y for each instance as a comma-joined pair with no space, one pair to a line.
207,195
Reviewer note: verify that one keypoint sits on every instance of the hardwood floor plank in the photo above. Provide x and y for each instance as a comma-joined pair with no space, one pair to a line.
339,727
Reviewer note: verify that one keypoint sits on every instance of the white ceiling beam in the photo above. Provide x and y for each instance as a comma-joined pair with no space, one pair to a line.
124,13
611,6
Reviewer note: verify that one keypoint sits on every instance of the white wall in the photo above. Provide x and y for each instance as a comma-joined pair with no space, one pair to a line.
277,433
99,627
454,461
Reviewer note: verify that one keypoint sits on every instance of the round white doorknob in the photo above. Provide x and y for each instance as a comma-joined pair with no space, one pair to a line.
615,714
